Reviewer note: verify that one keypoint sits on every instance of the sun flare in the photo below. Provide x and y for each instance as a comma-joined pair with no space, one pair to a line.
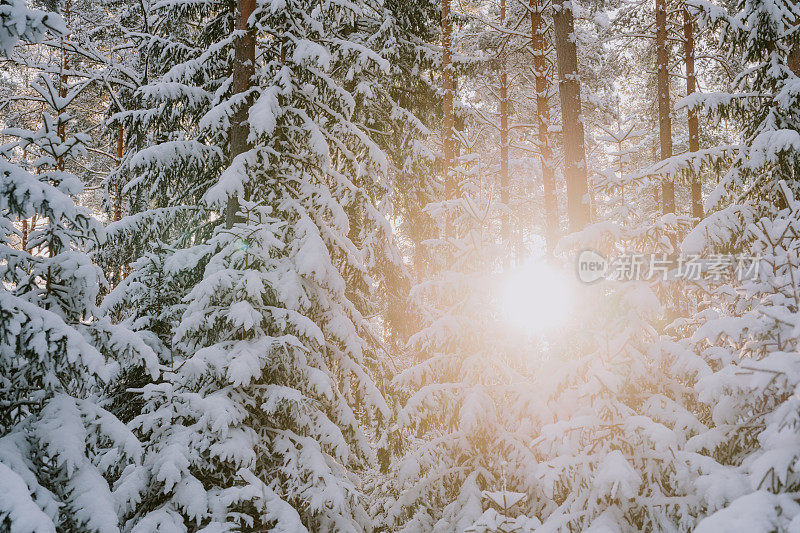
537,297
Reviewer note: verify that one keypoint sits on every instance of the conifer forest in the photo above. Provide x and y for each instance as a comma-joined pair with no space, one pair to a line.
399,266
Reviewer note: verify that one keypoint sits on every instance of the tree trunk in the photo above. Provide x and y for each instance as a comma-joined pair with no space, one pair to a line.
118,193
504,176
664,121
569,89
244,68
793,61
654,155
694,125
25,230
543,111
24,236
62,90
447,101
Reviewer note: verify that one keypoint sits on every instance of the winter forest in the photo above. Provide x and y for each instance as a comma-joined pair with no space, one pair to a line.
399,266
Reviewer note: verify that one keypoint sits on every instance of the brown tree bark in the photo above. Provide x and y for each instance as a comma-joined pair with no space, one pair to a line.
793,61
118,193
25,230
244,65
62,90
654,156
569,89
543,112
447,101
664,121
504,176
694,124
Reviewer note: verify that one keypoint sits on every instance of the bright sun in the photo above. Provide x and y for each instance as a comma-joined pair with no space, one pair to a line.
537,297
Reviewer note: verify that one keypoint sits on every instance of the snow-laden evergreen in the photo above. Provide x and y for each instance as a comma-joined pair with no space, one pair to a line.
271,408
762,100
62,454
748,337
744,330
618,413
467,388
254,410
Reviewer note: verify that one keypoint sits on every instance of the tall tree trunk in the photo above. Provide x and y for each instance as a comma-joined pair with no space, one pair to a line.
25,231
118,192
793,61
540,71
569,89
694,125
447,101
621,171
24,236
664,121
654,156
63,80
244,68
504,176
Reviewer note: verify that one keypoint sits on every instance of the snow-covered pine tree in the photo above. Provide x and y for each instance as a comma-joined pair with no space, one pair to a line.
62,455
414,69
465,391
749,340
614,455
621,141
96,52
615,404
261,423
617,451
746,330
762,100
168,163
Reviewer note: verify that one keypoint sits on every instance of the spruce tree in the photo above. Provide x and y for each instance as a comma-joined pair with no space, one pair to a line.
762,101
62,454
747,338
273,364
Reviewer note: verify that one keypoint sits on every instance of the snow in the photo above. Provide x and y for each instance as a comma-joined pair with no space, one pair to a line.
309,51
753,513
271,505
504,499
263,115
232,182
18,507
41,330
18,22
